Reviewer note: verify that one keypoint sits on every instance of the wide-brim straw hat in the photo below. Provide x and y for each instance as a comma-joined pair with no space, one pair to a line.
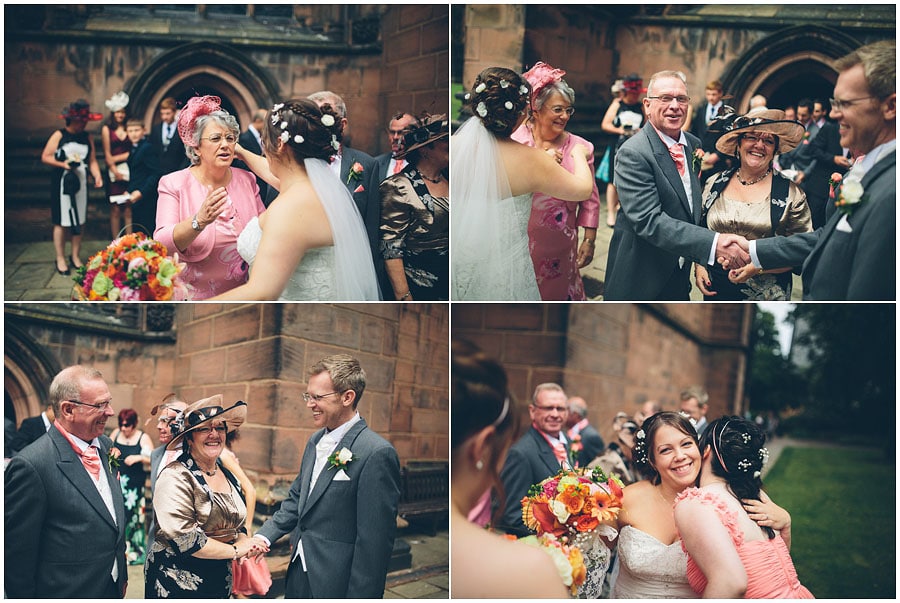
205,411
789,132
434,127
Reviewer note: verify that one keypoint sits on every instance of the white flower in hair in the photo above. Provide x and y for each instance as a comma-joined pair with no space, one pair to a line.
523,89
504,84
284,125
327,120
481,109
284,137
334,143
508,105
467,96
298,139
480,88
278,107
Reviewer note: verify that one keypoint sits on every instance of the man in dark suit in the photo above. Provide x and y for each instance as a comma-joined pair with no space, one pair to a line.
164,138
387,163
536,455
580,430
853,257
31,429
705,114
64,511
359,174
829,158
657,234
341,510
251,139
143,165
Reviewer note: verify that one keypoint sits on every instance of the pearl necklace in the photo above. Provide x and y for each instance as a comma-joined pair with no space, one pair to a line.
760,179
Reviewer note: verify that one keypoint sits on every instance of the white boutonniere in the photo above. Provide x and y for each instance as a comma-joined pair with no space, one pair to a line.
851,196
340,459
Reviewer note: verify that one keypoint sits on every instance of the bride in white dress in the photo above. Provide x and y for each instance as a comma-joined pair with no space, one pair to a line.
651,561
310,244
492,179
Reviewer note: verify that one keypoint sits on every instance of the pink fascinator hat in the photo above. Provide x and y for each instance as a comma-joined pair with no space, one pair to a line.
540,76
196,107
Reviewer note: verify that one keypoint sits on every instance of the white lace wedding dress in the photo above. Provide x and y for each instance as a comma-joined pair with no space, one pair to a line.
489,254
649,569
342,272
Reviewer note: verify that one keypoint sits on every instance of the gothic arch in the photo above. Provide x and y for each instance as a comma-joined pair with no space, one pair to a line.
204,68
27,373
804,51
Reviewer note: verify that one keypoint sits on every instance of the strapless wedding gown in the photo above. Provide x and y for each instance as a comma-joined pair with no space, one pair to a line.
313,279
649,569
506,277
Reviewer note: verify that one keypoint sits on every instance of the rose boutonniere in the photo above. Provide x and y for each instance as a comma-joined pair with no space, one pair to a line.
851,196
112,459
806,137
697,161
833,181
340,459
575,448
355,172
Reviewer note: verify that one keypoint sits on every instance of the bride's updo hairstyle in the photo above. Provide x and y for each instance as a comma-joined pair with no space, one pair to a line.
499,96
306,130
643,453
481,398
737,456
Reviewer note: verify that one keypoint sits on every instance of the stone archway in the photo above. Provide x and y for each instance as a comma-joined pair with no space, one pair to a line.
203,68
789,61
27,373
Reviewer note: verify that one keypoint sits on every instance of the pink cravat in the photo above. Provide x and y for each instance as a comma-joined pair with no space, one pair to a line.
398,165
559,449
678,156
89,458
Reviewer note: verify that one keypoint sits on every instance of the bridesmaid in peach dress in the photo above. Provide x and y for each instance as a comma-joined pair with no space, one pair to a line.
553,225
729,555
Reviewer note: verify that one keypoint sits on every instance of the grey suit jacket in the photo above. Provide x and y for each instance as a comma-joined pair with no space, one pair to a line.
839,265
368,200
656,224
61,540
529,461
347,527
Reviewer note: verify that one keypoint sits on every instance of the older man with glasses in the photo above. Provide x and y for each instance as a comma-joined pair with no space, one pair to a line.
537,455
64,511
658,235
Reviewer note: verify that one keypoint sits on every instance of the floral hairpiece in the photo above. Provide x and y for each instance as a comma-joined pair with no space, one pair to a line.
194,109
285,136
639,451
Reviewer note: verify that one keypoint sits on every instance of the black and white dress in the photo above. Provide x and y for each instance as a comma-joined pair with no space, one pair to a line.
70,209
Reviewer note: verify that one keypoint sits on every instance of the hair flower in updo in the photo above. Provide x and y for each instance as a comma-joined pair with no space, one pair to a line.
334,141
298,139
523,90
504,84
278,107
284,125
481,109
508,105
480,88
327,120
285,137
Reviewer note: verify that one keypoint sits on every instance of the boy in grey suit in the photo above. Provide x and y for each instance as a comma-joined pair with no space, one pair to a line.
342,508
853,257
65,525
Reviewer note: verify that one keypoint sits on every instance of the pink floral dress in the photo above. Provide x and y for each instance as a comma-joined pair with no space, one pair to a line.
213,262
770,570
553,229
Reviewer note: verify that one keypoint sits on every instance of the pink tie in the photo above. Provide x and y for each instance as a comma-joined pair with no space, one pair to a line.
91,460
559,449
398,165
677,156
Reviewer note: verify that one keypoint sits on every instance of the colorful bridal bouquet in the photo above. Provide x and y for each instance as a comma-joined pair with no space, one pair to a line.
568,559
572,509
131,268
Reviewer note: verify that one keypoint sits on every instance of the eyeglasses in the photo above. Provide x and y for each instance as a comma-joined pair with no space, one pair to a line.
217,138
102,406
840,105
668,98
219,428
318,398
753,139
559,110
551,408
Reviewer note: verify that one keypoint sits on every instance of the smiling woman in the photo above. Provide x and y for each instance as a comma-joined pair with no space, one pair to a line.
202,209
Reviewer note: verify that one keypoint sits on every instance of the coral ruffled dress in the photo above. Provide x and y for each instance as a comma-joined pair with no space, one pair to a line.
770,570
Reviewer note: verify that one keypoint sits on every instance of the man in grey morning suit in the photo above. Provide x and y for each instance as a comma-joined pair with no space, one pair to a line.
853,257
64,516
341,510
657,236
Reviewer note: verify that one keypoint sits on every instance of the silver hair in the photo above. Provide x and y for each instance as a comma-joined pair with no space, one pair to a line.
327,96
67,384
552,387
223,118
665,74
561,87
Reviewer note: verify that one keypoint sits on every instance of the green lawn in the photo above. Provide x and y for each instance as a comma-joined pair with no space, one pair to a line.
843,505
